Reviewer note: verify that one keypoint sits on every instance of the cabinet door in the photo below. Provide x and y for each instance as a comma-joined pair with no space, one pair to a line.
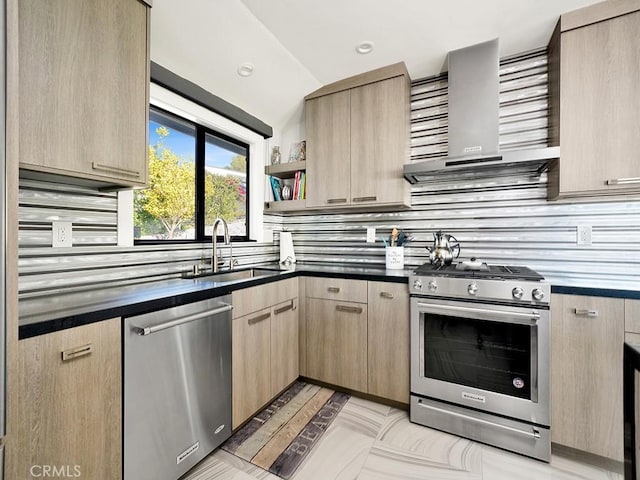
284,345
70,401
587,335
251,346
337,343
328,150
600,106
388,346
379,142
83,88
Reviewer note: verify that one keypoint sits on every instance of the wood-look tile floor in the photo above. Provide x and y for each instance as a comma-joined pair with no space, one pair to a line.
369,441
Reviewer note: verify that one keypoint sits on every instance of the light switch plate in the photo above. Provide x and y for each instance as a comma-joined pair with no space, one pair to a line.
371,234
584,235
62,234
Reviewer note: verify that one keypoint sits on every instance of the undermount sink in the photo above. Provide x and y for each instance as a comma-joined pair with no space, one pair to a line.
232,276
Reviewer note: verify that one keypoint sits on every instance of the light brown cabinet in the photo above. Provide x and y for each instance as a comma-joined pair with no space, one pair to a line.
83,88
388,341
357,141
587,335
70,403
357,335
595,106
337,342
264,345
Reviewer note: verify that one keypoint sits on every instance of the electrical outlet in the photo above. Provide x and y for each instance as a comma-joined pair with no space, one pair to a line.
62,234
584,234
371,234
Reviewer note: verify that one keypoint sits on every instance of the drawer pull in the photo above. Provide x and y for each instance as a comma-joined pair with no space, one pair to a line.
386,294
77,352
259,318
623,181
336,200
109,168
348,309
583,312
280,310
364,199
333,289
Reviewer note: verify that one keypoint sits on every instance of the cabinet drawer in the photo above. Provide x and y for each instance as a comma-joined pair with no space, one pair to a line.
337,289
632,316
256,298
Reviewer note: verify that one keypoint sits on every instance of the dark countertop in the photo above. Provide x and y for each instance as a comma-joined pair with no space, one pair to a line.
596,292
46,314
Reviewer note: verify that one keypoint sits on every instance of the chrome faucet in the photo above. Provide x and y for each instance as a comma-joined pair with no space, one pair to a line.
214,244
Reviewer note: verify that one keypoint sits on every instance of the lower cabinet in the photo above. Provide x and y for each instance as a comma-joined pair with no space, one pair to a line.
70,403
587,335
284,345
337,342
357,335
388,341
251,357
264,345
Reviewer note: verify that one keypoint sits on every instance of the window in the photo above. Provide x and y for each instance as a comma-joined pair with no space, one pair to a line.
195,176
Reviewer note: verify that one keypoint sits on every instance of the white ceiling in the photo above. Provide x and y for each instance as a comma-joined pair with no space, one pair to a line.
297,46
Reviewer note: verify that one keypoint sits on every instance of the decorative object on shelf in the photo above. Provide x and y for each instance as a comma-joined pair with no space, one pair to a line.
275,155
286,193
277,188
298,151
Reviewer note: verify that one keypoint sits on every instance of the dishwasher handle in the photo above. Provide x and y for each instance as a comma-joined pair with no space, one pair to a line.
144,331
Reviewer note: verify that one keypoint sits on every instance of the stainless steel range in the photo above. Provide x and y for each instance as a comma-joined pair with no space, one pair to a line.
480,354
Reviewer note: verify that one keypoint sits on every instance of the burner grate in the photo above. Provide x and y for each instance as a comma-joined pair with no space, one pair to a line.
497,272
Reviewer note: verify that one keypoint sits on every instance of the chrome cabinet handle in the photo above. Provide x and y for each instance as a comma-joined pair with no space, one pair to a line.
386,294
109,168
259,318
336,200
76,352
144,331
364,199
333,289
280,310
623,181
584,312
348,309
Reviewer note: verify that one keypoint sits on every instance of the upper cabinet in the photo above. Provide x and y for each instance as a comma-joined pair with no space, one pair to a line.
83,83
594,73
358,140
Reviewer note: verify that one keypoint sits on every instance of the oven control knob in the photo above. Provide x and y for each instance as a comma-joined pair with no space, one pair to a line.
472,289
517,293
537,294
433,286
417,285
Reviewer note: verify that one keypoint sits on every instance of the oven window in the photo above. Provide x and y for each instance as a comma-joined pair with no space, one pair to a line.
493,356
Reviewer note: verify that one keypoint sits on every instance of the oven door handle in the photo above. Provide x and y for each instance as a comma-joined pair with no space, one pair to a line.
510,317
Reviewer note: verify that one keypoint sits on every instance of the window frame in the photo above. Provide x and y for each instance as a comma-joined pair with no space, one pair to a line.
201,132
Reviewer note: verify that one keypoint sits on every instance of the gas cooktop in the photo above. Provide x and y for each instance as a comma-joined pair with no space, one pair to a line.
484,271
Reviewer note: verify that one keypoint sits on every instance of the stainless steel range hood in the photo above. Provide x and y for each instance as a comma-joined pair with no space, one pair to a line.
473,91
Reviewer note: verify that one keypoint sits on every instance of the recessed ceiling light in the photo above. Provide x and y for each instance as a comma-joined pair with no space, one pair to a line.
245,70
364,47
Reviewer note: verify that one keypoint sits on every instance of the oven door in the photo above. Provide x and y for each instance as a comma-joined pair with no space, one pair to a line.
492,358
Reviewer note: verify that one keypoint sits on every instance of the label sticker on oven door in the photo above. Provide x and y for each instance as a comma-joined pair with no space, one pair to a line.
518,382
474,396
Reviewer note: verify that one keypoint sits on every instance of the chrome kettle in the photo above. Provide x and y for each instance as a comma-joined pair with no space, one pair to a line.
445,249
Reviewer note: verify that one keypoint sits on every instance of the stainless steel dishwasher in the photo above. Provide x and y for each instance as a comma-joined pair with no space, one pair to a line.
177,387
